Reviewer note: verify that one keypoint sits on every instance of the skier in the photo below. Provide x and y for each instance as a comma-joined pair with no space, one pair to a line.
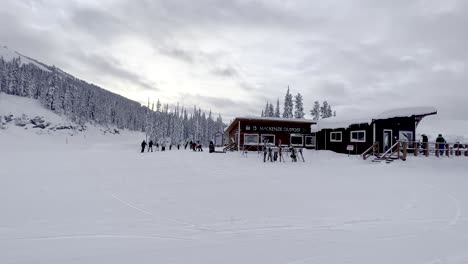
170,146
178,146
270,156
150,146
199,146
293,154
211,147
143,146
441,141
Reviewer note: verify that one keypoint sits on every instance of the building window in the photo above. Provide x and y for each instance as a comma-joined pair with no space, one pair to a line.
406,136
358,136
335,136
251,139
267,138
296,140
310,141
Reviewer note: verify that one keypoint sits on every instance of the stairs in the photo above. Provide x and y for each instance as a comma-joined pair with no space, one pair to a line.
392,154
388,160
230,147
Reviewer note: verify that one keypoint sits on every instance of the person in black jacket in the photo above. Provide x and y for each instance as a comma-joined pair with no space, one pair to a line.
424,142
440,139
211,147
150,146
143,146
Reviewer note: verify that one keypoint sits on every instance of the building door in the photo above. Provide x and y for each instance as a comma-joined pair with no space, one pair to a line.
387,139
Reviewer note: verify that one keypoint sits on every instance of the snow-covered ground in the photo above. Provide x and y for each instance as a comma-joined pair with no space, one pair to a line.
90,197
104,202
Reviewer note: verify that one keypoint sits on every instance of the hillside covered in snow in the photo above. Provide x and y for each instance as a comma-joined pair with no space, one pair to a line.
81,103
25,121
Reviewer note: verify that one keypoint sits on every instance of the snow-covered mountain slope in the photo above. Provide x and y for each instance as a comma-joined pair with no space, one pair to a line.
27,120
8,55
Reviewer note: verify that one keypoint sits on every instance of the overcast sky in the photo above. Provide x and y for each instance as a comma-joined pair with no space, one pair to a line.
232,56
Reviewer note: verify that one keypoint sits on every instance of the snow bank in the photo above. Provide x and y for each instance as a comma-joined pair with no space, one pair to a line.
18,106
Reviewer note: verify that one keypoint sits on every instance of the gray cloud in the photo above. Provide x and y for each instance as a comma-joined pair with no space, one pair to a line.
364,54
112,67
226,71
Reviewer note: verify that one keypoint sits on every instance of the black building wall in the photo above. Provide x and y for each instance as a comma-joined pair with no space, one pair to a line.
394,124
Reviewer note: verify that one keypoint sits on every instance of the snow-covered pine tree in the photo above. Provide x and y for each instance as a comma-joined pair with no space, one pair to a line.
315,112
325,110
271,111
299,106
288,105
277,109
266,112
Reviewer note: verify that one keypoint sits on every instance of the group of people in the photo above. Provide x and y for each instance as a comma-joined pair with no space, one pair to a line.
440,140
194,146
274,152
151,144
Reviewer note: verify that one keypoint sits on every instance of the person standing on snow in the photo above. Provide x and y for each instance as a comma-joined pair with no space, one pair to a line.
150,146
424,142
211,147
143,146
440,139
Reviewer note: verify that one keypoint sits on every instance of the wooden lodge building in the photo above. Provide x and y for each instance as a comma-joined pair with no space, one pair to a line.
343,136
357,135
250,133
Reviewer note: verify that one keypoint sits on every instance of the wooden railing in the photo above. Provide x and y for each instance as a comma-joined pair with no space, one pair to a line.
437,149
401,150
230,147
392,151
372,151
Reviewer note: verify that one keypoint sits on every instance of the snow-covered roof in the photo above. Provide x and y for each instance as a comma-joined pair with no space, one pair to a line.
407,112
9,55
292,120
345,122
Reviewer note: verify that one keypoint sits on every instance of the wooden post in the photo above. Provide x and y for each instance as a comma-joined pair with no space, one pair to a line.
416,149
426,149
405,150
447,150
437,150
